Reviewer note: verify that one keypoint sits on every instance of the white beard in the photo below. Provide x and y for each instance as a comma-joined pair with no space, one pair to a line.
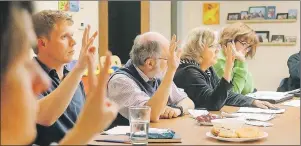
160,75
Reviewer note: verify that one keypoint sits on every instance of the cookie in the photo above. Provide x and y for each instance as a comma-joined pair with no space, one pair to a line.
249,132
225,133
215,131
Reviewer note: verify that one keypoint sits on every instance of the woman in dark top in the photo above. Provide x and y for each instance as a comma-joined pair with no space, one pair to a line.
198,79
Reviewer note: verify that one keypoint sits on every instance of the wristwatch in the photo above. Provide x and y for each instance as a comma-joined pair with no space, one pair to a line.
178,107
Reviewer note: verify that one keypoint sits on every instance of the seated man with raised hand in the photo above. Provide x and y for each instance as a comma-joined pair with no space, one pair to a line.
147,79
60,105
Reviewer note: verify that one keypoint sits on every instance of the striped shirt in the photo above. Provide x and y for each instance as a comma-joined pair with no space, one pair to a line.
125,92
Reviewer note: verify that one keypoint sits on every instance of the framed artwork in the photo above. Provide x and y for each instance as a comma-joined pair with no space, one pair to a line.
282,15
263,36
233,16
211,13
292,14
291,39
277,38
271,12
258,12
63,5
74,5
244,15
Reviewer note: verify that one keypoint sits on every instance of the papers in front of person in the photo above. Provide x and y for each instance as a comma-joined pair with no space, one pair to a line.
259,110
118,130
123,130
250,116
269,95
195,113
295,103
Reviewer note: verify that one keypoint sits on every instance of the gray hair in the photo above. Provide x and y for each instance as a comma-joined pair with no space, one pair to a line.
196,39
144,49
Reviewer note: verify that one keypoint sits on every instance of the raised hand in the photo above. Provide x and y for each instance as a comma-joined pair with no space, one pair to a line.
86,52
174,55
98,112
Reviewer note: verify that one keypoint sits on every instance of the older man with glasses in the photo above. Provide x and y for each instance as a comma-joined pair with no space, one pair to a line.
147,79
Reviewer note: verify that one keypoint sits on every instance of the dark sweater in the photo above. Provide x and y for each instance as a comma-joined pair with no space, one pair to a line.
130,71
205,89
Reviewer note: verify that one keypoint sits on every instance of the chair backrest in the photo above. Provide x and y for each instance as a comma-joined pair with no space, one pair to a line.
115,61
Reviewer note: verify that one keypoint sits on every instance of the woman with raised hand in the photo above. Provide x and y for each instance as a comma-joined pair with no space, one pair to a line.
198,79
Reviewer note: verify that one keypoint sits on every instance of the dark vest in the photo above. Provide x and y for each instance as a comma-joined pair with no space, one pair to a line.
130,71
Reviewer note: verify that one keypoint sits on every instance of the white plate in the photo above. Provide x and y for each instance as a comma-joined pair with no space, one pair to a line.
209,134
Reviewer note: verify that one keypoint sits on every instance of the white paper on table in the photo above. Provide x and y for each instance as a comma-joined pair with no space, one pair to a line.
118,130
259,123
268,95
123,130
259,110
251,116
295,103
196,113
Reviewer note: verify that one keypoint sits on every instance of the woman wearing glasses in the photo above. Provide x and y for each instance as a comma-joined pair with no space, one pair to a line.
245,41
196,76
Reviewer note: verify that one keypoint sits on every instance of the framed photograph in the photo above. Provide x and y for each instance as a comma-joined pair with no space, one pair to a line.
233,16
211,13
291,39
292,14
244,15
263,36
277,38
271,12
282,15
257,12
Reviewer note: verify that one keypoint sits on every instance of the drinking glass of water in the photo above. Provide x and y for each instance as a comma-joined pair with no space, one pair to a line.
139,123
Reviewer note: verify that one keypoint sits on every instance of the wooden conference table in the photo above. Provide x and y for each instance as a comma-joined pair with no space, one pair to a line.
285,131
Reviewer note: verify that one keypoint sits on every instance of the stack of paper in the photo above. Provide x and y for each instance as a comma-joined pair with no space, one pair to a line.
259,110
251,116
295,103
118,130
268,95
196,113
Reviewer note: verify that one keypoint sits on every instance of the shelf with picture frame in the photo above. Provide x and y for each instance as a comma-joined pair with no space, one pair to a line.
263,14
264,21
278,44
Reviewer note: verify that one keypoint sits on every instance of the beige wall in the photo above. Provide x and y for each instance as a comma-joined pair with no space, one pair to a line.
269,65
160,17
88,14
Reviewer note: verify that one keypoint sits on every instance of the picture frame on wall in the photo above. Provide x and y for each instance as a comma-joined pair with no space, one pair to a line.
257,12
277,38
271,12
282,16
263,36
233,16
292,13
244,15
290,39
211,12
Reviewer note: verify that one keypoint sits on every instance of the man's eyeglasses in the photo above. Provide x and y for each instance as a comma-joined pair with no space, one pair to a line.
245,45
158,58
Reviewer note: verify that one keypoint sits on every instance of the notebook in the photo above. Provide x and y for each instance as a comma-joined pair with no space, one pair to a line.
121,134
270,96
126,139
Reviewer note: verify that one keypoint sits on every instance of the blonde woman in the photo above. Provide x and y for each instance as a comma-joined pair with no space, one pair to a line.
245,42
198,79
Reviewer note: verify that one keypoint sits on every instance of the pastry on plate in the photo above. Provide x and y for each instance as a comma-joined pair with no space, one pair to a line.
249,132
222,132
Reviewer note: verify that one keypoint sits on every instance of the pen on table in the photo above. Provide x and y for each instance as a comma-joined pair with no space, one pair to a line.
113,141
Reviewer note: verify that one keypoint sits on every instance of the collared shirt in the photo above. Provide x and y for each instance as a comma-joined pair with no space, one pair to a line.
57,131
125,92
